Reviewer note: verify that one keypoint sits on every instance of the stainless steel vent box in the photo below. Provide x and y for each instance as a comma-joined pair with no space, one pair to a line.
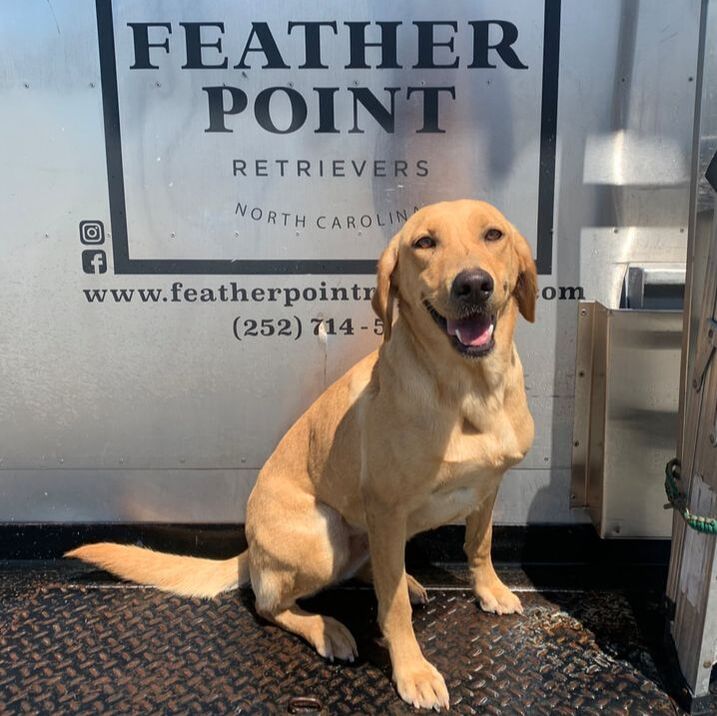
625,425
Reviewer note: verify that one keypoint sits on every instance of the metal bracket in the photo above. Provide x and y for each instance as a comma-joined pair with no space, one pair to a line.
642,279
702,361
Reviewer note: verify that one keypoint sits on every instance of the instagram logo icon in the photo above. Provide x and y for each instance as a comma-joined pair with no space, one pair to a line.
92,232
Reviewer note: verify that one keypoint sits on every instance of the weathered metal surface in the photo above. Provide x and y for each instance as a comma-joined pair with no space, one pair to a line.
121,409
70,643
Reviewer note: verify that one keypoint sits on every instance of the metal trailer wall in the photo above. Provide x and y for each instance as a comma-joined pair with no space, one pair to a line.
147,406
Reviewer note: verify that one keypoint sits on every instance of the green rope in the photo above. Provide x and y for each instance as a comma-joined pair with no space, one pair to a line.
679,503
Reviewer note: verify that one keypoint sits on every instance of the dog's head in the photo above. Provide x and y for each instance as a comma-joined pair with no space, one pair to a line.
458,268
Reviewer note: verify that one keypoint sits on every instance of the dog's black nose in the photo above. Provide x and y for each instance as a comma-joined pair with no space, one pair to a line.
471,287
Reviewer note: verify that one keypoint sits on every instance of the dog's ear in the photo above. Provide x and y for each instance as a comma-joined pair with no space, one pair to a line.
386,287
526,287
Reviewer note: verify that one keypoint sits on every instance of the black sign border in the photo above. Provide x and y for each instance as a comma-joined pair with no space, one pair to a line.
123,264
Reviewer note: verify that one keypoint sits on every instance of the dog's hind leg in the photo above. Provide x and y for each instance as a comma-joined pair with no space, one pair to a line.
292,560
327,635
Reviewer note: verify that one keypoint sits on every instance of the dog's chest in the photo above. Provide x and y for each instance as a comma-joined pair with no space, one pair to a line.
472,465
479,444
445,506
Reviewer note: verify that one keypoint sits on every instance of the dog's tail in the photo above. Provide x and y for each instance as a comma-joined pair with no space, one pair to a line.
188,576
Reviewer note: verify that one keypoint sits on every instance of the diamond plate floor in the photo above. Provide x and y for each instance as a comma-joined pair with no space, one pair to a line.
75,641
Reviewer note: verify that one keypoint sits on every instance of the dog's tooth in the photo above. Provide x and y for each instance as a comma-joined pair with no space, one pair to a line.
458,335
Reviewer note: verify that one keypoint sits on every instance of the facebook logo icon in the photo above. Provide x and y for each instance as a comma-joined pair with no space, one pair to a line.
94,261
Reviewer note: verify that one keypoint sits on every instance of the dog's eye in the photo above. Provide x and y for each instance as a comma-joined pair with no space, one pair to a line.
425,242
493,235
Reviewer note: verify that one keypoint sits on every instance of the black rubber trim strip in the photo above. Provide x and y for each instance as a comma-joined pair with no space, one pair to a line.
560,544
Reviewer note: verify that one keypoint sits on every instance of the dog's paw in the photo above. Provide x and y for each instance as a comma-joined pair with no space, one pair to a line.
421,685
497,598
333,640
416,591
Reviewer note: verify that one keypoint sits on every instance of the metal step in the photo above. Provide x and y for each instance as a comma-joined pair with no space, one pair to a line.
74,640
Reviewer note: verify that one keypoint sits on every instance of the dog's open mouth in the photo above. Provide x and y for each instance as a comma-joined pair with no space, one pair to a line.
472,335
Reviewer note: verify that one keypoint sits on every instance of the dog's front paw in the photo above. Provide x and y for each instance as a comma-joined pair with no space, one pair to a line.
495,597
421,685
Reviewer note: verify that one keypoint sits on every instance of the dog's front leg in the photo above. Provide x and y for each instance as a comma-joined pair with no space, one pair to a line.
492,594
417,680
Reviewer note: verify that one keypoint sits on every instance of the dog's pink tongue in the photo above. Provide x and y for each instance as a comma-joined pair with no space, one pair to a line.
473,331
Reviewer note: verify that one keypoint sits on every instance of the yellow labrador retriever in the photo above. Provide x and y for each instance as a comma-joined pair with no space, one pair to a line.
416,435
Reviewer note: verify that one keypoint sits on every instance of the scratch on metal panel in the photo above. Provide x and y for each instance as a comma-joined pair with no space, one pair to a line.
54,17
